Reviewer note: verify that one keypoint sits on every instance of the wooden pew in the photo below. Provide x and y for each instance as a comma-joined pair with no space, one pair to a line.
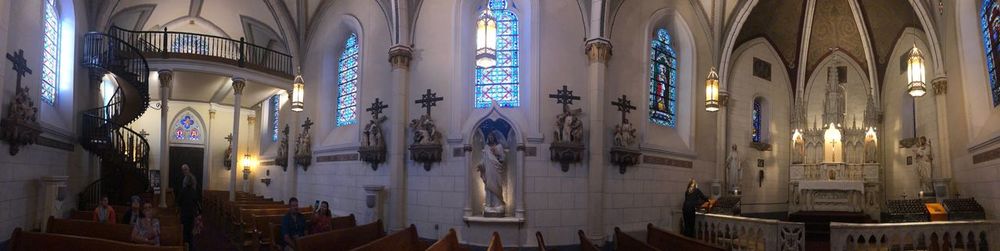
166,219
541,241
495,243
450,243
664,240
261,224
403,240
341,239
169,235
585,244
30,241
626,242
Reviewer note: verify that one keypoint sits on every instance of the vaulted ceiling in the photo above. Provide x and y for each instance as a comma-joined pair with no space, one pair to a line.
834,27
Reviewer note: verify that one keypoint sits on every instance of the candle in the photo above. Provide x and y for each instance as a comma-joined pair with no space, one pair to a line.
921,194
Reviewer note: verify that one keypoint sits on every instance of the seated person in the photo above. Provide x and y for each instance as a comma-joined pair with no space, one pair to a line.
147,229
321,220
104,213
293,225
134,212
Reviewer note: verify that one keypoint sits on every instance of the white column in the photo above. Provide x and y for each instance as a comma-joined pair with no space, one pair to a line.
721,142
238,84
598,53
165,77
943,148
291,178
399,56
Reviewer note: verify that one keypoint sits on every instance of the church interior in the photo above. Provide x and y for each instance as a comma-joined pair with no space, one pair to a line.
492,124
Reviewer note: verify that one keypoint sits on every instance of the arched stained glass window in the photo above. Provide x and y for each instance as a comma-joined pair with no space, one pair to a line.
756,116
662,80
187,129
500,82
274,106
50,51
990,20
347,85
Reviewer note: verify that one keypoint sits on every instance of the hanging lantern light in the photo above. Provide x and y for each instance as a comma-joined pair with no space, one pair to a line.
915,73
247,163
712,91
298,89
486,40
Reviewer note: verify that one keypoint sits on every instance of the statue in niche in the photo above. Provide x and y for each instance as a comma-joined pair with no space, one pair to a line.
922,153
569,127
228,161
734,168
624,134
373,133
281,158
493,171
798,147
871,146
424,131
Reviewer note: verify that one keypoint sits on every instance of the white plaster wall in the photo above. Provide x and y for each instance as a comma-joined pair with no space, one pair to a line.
222,15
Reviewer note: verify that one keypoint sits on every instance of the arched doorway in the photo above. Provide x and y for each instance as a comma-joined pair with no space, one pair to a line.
187,146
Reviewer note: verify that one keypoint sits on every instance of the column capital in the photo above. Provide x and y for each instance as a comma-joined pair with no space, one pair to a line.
238,84
599,50
723,99
165,76
940,85
399,56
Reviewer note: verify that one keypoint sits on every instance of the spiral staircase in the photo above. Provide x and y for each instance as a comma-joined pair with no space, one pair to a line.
123,153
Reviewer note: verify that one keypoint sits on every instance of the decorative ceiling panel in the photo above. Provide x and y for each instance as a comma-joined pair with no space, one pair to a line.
780,22
834,28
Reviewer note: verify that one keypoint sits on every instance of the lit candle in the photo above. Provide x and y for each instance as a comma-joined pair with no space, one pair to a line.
921,194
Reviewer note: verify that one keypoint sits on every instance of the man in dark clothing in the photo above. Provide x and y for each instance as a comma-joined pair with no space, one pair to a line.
293,225
189,201
693,198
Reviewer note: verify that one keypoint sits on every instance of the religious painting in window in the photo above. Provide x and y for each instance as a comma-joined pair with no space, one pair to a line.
50,51
274,106
990,21
190,44
347,84
662,80
187,129
761,69
497,71
756,118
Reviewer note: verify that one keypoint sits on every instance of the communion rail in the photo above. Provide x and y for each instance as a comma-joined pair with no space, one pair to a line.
742,233
946,235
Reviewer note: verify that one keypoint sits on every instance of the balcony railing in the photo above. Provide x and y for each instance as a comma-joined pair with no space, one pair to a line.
172,44
949,235
741,233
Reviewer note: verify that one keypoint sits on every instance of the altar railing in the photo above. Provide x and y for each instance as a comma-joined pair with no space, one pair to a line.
741,233
949,235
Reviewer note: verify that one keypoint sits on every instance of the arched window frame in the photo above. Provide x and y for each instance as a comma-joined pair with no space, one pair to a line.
501,83
757,121
348,75
662,79
274,105
990,17
50,51
187,129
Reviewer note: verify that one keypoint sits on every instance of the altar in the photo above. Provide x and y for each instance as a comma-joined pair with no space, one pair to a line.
832,195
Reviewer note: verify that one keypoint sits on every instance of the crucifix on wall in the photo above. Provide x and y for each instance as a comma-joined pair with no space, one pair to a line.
624,106
428,100
19,126
565,97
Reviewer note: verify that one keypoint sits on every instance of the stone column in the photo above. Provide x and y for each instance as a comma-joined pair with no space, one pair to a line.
598,53
399,56
238,84
165,77
719,185
942,148
291,178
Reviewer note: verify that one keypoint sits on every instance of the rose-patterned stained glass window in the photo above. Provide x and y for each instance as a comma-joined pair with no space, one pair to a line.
990,21
756,117
275,106
662,80
187,129
50,51
500,83
347,85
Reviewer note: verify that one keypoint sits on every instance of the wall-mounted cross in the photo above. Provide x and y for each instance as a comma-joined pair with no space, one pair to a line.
20,65
229,138
376,108
624,105
307,124
429,100
565,97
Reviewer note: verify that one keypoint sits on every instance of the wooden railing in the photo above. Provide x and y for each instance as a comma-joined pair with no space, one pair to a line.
741,233
949,235
172,44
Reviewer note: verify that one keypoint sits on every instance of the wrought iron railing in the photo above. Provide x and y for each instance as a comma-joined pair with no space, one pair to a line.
741,233
947,235
172,44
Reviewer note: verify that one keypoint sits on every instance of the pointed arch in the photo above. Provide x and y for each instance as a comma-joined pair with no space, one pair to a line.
500,83
662,79
347,81
187,127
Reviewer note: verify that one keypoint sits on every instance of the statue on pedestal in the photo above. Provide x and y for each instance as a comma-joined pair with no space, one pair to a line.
569,127
923,158
871,146
734,168
798,147
493,171
373,133
424,131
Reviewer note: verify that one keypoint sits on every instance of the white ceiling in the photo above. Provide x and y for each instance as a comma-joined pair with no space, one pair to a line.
210,88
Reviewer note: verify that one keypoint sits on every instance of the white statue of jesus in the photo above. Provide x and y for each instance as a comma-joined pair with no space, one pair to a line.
734,168
493,172
922,151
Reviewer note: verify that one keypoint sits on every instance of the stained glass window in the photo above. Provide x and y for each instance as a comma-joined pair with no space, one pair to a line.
662,80
189,43
990,20
347,87
274,107
50,51
500,82
187,129
756,117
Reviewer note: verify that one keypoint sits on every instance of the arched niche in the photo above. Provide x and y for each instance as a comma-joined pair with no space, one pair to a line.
679,138
495,130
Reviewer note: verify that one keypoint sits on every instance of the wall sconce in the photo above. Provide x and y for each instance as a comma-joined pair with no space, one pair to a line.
712,91
915,73
298,89
247,163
